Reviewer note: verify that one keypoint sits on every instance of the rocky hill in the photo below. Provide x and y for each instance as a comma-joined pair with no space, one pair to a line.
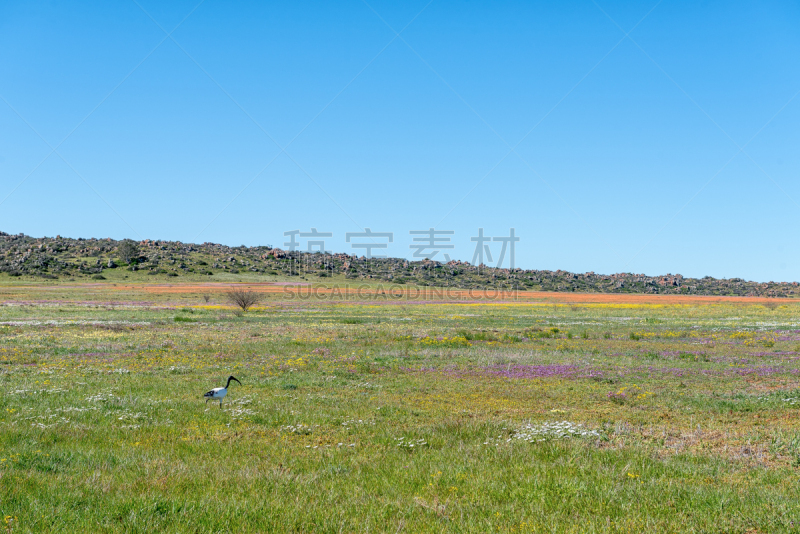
64,258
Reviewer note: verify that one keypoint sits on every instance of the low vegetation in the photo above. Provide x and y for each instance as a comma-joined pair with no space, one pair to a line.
399,417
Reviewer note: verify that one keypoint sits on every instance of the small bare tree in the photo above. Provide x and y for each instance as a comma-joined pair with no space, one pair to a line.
242,298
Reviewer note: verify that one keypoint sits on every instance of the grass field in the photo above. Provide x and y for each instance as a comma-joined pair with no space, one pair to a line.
548,413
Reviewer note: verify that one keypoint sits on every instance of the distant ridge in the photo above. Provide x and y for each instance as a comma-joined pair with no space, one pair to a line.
65,258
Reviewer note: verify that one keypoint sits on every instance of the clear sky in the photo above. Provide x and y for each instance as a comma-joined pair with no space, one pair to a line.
648,137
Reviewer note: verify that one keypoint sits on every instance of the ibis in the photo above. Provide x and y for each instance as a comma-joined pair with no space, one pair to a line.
219,393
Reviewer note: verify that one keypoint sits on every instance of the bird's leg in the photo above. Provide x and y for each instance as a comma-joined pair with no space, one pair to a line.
207,400
220,404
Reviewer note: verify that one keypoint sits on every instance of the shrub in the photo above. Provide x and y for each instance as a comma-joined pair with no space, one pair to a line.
478,336
455,341
98,277
128,251
628,394
694,357
242,298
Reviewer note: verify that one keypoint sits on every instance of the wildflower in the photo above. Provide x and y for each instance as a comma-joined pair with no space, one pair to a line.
558,430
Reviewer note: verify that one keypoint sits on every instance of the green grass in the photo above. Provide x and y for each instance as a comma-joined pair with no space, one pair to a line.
103,427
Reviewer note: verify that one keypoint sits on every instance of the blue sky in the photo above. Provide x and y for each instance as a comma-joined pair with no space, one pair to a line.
672,149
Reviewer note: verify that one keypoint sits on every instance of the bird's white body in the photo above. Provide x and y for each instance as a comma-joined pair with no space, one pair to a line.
219,393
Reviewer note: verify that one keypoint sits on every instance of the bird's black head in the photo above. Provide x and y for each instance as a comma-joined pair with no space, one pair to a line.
232,378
